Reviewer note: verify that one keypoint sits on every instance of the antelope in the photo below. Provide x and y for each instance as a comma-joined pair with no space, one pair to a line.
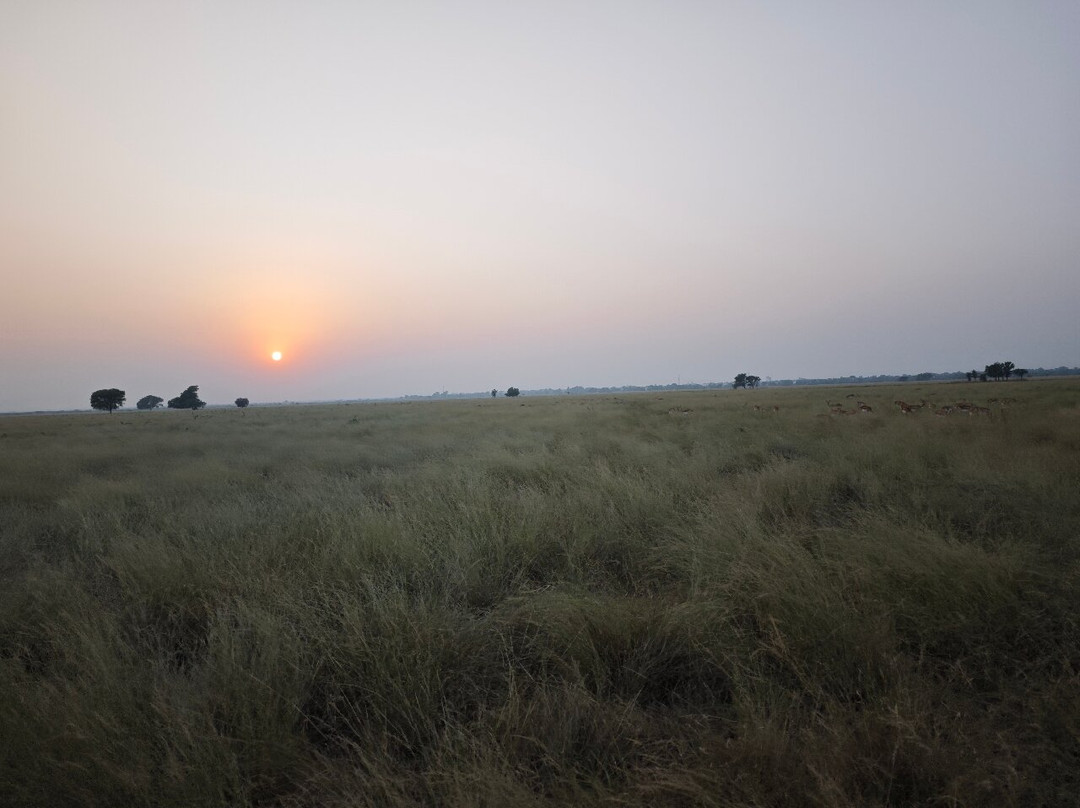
865,407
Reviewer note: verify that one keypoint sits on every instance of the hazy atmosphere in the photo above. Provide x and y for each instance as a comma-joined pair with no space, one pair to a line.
405,198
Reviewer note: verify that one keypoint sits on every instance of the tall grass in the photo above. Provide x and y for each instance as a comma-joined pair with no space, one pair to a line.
635,600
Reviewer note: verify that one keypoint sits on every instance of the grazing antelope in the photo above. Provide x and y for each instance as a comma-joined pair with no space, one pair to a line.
865,407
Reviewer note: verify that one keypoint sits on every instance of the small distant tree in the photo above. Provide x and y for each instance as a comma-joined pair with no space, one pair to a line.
242,402
1007,369
1021,373
187,400
753,381
512,392
494,393
108,399
149,402
740,381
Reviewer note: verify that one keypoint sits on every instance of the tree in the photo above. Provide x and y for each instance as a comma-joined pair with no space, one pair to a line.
740,381
187,400
494,393
1021,372
753,381
149,402
242,402
1007,369
512,392
107,399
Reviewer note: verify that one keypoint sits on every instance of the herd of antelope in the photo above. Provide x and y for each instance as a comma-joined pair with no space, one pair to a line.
960,407
837,408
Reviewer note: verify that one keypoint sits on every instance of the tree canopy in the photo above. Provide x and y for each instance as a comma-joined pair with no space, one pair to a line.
187,400
999,370
107,399
149,402
512,392
242,402
745,380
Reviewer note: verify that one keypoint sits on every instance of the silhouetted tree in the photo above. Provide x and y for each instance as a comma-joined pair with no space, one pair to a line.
1021,372
512,392
149,402
107,399
753,381
494,393
740,381
187,400
242,402
1007,369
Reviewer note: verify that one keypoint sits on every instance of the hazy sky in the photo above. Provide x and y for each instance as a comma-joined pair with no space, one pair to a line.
419,196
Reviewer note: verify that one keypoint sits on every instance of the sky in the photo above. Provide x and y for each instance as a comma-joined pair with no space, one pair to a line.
412,197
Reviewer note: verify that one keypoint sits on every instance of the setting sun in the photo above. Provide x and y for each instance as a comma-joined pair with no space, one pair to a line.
276,356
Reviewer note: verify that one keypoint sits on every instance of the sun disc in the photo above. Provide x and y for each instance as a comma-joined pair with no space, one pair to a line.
276,356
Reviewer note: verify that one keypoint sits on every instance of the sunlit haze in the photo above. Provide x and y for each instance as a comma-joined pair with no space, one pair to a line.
404,198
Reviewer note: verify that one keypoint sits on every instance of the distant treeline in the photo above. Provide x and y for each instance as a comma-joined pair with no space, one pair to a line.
766,382
956,376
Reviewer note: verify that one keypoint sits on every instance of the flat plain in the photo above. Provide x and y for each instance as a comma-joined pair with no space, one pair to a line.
709,598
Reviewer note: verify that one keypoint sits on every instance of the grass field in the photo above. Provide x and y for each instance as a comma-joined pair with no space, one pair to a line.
643,600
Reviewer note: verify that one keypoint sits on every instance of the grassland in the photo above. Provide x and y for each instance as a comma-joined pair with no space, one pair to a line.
621,601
